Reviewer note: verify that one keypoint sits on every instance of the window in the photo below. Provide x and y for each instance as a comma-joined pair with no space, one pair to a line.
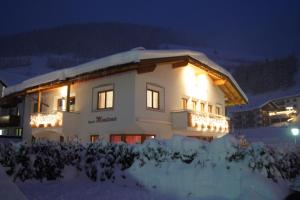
184,103
210,108
218,110
72,103
194,104
94,138
202,107
152,99
19,131
61,104
115,139
35,107
133,139
105,99
130,138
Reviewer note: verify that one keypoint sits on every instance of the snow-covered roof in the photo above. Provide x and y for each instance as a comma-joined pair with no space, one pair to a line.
132,56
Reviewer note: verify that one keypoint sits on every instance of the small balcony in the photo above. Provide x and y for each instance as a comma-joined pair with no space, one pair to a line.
10,121
53,120
199,121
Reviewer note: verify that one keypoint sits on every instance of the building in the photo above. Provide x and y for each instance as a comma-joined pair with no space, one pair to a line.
130,96
278,111
10,116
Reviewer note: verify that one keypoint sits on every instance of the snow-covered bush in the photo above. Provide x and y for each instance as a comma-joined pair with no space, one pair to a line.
104,161
266,160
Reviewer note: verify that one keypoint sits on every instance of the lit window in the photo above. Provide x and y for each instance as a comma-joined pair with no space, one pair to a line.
94,138
133,139
61,104
72,103
184,103
210,108
115,139
194,104
105,99
152,99
130,138
202,107
218,110
1,132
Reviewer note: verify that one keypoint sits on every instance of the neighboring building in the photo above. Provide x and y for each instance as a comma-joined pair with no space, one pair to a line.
281,110
130,96
10,116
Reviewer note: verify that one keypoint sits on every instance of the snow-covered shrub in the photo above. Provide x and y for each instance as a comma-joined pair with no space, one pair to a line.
103,159
266,160
7,157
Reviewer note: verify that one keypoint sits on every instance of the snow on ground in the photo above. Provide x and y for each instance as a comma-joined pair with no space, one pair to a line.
80,187
8,190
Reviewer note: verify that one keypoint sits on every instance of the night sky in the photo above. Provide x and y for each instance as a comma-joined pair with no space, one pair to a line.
267,27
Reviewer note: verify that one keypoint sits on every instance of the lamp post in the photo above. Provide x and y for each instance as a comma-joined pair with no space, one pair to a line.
295,133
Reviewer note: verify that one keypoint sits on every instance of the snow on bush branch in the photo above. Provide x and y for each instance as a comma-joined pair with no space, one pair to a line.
101,160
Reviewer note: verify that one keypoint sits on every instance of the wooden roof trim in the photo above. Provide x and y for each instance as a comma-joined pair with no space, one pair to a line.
145,65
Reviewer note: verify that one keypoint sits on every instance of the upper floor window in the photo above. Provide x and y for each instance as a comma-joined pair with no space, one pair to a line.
210,108
184,103
202,107
218,110
105,99
62,104
155,98
152,99
194,104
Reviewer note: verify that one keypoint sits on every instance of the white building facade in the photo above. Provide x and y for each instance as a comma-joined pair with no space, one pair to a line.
130,97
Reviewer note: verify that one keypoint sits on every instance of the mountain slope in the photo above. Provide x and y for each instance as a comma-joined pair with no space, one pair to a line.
89,40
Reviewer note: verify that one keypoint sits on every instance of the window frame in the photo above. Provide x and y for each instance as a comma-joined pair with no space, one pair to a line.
184,103
218,107
194,105
158,99
210,106
95,136
123,137
105,101
204,105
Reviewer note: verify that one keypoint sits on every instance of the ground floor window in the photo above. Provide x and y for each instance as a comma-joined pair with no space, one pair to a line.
130,138
94,138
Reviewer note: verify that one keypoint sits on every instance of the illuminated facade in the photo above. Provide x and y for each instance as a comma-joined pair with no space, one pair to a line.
156,94
279,111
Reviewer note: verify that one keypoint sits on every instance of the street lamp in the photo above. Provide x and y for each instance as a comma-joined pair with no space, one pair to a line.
295,133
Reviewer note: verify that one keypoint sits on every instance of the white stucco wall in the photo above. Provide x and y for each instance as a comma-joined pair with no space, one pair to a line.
130,110
178,83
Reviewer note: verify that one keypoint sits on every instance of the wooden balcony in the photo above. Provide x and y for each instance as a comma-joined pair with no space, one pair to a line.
199,121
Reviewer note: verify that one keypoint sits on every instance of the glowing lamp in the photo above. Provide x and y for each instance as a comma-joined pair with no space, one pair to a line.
295,131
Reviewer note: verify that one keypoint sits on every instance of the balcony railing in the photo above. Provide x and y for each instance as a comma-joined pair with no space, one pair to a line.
53,119
9,121
200,121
